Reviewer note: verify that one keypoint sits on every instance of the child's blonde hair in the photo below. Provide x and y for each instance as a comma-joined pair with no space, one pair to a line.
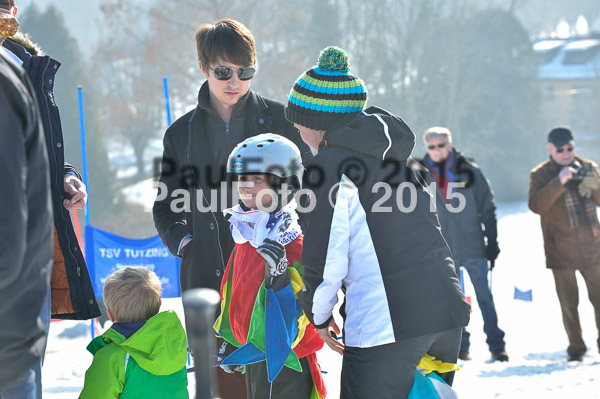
132,294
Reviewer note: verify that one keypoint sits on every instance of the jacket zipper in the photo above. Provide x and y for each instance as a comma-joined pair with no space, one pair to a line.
204,196
198,182
56,164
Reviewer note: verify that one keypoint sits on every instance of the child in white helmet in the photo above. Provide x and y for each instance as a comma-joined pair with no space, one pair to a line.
261,321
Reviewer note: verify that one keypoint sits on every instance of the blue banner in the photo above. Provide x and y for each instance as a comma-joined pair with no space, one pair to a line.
107,253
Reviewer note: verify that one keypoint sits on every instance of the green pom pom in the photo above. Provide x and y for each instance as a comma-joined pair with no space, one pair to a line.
334,59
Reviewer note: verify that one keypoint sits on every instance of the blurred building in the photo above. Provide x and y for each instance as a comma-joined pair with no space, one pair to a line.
569,74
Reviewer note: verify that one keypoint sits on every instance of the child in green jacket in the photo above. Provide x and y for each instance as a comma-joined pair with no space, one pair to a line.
144,353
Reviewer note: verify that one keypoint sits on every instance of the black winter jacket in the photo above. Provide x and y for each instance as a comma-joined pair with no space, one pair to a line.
42,69
463,230
25,225
188,166
374,234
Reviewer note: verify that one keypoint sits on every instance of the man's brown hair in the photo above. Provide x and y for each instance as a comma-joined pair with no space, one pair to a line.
225,40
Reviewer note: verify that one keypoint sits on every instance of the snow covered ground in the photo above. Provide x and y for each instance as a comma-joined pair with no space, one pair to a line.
536,340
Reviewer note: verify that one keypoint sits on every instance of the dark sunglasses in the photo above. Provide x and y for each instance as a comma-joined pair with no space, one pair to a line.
226,73
569,149
434,146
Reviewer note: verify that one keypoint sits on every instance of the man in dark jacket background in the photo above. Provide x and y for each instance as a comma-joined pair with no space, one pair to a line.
470,205
25,233
372,235
565,191
72,295
196,147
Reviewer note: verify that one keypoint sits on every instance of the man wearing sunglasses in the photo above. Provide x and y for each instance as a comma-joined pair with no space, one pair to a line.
196,147
565,191
472,247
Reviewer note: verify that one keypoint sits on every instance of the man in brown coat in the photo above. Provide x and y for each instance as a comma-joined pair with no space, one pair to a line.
564,191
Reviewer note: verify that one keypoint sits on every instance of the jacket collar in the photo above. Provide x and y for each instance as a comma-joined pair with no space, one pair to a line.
253,103
454,159
554,167
199,152
128,329
204,100
31,56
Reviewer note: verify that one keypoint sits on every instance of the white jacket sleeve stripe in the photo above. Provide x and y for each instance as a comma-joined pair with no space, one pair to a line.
368,319
385,131
336,261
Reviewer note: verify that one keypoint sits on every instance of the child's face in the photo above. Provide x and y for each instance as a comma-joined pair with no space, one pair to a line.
255,191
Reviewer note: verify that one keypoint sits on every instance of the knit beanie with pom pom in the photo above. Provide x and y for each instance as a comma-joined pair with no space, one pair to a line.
326,92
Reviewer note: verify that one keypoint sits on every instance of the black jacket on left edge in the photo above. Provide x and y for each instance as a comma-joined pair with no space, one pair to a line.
25,225
42,71
463,230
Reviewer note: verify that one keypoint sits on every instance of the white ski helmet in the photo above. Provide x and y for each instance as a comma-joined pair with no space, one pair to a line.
268,153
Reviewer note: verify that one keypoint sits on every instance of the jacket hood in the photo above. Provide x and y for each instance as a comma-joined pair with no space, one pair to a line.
24,41
374,132
159,347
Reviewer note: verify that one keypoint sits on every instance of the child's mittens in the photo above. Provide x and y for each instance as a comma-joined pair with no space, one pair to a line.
276,262
230,369
224,351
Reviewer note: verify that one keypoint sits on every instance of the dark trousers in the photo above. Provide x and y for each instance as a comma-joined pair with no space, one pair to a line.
231,385
289,384
387,371
568,296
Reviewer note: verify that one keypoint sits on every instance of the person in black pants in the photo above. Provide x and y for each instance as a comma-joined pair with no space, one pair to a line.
402,297
196,147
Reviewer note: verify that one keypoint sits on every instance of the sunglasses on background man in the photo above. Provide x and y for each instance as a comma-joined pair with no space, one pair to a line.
561,149
434,146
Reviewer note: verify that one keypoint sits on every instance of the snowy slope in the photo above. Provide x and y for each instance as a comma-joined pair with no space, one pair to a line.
535,337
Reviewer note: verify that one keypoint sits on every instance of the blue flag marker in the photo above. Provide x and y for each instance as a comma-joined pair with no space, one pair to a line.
523,295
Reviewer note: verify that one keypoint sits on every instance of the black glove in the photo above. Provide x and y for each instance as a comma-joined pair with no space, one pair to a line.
276,262
491,235
491,252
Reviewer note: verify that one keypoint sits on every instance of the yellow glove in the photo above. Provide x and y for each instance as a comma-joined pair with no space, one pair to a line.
589,184
430,364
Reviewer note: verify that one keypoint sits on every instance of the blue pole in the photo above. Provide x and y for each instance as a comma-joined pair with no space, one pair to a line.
84,175
167,105
83,152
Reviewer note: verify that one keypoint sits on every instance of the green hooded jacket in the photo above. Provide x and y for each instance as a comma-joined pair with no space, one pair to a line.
149,364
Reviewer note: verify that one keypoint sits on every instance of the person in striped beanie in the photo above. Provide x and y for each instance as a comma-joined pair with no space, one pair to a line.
402,297
326,92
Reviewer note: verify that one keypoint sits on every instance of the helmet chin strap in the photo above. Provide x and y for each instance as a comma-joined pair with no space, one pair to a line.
244,207
292,189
